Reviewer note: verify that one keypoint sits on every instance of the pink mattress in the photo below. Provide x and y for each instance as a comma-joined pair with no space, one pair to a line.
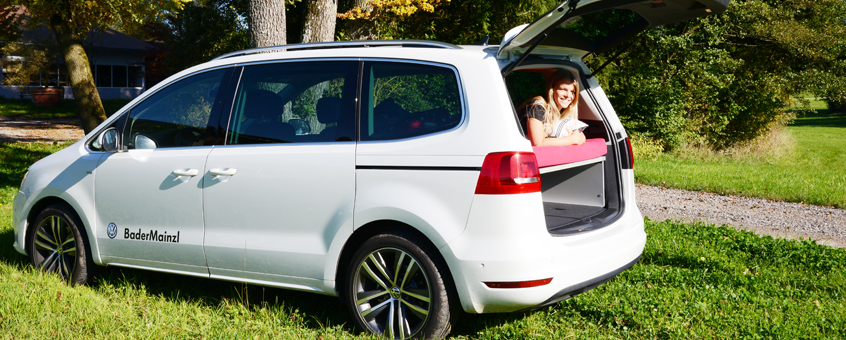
556,155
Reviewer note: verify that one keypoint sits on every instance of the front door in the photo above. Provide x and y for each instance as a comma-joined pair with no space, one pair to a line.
149,193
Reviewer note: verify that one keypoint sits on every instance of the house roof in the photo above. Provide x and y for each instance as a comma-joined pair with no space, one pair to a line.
107,39
111,39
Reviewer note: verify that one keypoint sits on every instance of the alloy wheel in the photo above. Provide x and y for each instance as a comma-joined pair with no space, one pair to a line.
392,293
56,246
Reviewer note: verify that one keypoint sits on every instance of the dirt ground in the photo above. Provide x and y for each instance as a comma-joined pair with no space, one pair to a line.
16,129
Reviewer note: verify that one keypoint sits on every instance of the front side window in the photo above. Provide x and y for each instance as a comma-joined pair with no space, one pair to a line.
178,115
403,100
295,102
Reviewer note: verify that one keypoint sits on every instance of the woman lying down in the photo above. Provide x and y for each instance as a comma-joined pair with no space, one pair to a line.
554,119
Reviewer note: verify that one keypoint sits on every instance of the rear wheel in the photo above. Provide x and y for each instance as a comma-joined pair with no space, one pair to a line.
57,246
395,289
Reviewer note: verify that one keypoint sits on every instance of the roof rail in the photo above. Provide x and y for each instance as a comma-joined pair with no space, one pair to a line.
342,44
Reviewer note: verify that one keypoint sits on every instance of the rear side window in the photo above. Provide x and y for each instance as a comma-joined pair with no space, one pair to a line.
295,102
403,100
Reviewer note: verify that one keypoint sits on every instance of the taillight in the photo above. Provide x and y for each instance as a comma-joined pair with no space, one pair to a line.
509,173
631,153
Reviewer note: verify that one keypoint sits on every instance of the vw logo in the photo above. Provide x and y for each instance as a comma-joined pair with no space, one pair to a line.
395,293
112,230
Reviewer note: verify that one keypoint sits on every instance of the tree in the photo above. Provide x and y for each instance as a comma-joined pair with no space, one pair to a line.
360,28
320,19
70,20
267,23
8,22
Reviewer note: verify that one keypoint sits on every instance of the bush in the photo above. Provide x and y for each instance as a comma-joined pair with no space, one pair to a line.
645,147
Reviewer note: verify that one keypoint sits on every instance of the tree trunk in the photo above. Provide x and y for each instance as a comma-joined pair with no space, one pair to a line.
320,20
361,29
267,23
88,104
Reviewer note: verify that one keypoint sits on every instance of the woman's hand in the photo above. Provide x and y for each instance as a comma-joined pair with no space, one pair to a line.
578,137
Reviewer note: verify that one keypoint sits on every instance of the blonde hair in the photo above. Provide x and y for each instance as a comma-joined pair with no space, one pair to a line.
553,113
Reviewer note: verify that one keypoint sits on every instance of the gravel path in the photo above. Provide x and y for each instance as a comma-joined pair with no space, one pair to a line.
765,217
778,219
14,129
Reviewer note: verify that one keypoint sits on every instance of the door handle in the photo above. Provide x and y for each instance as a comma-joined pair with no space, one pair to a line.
223,172
185,172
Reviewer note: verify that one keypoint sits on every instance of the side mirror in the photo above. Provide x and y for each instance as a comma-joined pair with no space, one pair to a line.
108,140
144,142
301,126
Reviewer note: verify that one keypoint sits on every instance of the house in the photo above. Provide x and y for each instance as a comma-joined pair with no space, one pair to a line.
116,59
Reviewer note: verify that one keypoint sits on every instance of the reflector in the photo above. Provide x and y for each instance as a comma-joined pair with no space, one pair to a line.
519,284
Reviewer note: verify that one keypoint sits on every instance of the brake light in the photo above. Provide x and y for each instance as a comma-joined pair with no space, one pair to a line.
519,284
631,153
506,173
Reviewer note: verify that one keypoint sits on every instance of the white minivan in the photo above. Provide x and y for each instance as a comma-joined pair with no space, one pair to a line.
394,174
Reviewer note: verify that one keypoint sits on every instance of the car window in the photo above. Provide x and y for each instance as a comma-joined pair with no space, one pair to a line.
177,115
295,102
406,100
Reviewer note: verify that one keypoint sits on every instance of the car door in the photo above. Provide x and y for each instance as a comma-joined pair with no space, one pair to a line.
149,192
575,28
284,184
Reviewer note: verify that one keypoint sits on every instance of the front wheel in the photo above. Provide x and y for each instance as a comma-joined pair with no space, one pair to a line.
395,289
57,246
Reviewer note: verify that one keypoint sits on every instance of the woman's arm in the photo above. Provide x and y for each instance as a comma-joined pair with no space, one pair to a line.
537,135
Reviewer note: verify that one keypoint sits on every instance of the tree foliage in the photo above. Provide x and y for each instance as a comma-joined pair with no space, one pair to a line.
201,31
726,79
32,61
70,21
453,21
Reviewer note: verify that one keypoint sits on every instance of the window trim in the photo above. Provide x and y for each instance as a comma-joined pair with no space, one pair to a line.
238,83
461,96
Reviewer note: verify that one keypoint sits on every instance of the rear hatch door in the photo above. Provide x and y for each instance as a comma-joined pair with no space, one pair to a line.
575,28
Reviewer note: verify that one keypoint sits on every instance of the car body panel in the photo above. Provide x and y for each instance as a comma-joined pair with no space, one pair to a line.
499,245
65,175
139,193
279,213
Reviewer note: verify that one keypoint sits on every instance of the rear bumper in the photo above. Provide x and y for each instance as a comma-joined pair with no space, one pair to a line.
500,245
579,288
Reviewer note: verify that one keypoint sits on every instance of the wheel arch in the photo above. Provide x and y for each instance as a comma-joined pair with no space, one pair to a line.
382,226
47,201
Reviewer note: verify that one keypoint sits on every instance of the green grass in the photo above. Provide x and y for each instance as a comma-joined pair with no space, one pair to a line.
813,172
694,281
66,108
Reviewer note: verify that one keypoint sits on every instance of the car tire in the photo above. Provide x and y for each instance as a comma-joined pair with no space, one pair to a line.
394,288
57,245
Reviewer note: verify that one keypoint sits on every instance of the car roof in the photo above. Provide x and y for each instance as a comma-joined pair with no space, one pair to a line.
423,51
